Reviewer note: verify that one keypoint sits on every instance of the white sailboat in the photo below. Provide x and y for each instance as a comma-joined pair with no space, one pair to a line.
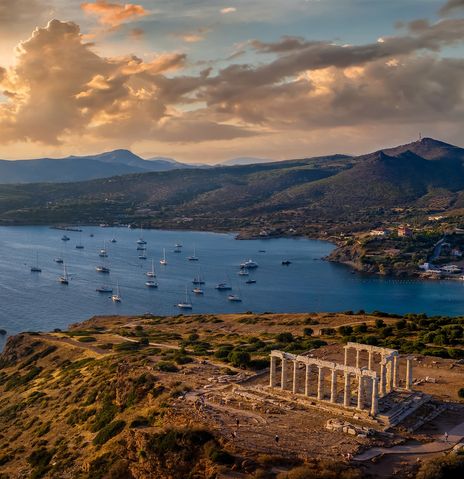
151,283
141,241
164,261
116,298
103,252
186,304
104,289
35,268
152,273
198,279
198,290
64,279
194,257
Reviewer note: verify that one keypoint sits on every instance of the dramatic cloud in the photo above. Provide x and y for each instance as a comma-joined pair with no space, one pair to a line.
61,91
451,6
113,14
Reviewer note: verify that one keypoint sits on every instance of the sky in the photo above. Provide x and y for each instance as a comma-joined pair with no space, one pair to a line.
205,81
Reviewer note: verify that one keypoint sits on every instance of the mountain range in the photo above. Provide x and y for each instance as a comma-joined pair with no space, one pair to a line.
426,175
80,168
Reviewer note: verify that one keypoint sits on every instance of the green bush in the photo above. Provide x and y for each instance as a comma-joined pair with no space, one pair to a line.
109,431
285,338
167,367
239,358
87,339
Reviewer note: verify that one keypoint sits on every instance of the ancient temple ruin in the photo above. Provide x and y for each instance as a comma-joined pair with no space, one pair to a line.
305,375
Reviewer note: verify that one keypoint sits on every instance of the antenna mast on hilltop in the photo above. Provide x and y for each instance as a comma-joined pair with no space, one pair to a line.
420,136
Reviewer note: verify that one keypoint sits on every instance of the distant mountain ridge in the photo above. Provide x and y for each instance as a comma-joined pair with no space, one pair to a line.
81,168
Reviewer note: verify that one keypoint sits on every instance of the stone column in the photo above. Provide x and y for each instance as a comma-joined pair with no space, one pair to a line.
347,391
295,377
369,364
320,384
389,373
409,373
283,381
357,357
395,371
346,355
375,397
333,386
382,378
360,392
272,375
308,370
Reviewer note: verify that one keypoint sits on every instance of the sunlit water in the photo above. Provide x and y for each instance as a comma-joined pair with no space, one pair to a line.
37,301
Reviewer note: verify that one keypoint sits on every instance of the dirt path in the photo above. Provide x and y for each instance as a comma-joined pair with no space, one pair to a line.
455,436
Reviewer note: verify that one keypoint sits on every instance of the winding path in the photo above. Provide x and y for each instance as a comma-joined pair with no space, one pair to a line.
455,436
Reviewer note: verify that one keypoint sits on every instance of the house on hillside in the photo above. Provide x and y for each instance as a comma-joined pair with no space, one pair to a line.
379,233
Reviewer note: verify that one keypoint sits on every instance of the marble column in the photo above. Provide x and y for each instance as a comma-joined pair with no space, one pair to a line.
346,355
283,381
333,386
409,373
308,370
295,377
347,390
382,378
395,371
369,364
272,376
375,397
360,392
389,373
320,384
357,357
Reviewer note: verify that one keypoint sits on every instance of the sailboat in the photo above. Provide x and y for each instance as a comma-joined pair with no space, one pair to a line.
64,279
198,290
141,240
65,238
103,253
198,279
102,269
35,268
80,245
151,283
116,298
151,274
234,298
194,256
164,261
59,260
243,272
113,240
186,304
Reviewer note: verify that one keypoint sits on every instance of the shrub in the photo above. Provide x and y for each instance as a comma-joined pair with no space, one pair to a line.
109,431
285,338
167,367
86,339
449,467
345,330
220,456
239,358
461,393
308,331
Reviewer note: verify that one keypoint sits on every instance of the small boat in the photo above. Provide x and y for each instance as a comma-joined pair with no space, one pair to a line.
223,287
198,290
249,264
58,260
186,304
151,274
141,248
113,240
35,268
178,245
103,253
243,272
64,279
164,261
141,240
177,250
80,245
286,262
250,281
116,298
91,235
150,283
143,254
262,251
194,256
234,298
198,279
102,269
65,238
104,289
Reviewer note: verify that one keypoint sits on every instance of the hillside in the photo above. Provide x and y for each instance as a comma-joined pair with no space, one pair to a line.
311,196
81,168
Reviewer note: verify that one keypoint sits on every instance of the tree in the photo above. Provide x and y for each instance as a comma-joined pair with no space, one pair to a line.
308,331
240,359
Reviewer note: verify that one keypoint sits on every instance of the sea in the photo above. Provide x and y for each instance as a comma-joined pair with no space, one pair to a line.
39,302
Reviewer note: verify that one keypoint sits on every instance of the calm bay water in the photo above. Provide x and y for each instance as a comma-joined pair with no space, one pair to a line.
36,301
